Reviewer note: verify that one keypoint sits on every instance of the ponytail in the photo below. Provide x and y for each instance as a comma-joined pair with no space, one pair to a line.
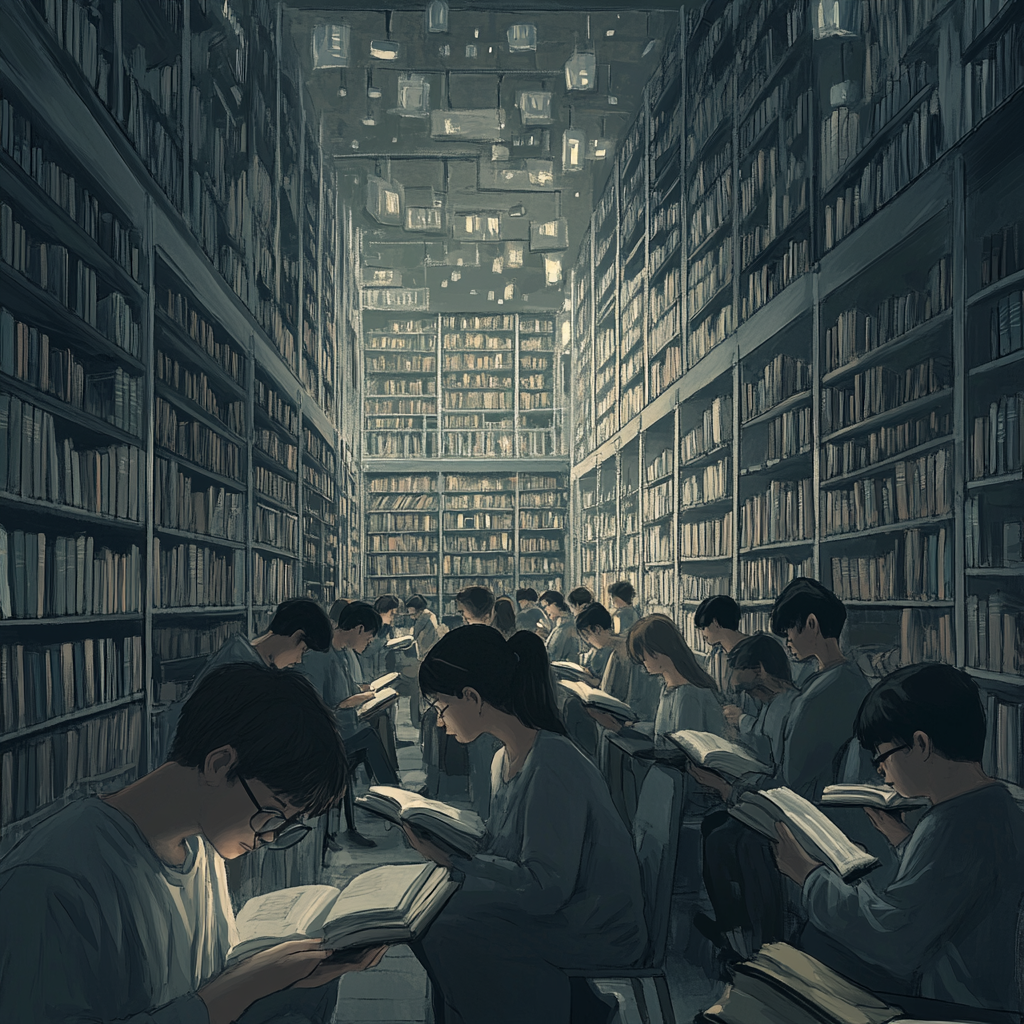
533,697
513,676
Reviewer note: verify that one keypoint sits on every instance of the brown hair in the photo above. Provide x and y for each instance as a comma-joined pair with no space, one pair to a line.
657,634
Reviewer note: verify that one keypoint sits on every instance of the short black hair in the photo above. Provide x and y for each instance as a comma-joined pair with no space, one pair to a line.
594,616
764,651
804,597
479,600
386,603
337,607
303,615
555,598
623,590
416,601
359,613
283,732
721,609
941,701
526,594
581,596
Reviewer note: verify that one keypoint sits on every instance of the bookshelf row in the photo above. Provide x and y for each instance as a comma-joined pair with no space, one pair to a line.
862,427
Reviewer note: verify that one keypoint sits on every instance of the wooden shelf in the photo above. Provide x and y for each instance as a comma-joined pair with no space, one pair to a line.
907,409
876,531
70,718
910,453
74,620
792,402
204,611
197,538
35,507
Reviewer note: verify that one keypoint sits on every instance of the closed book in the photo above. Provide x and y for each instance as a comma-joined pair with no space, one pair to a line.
6,608
14,457
5,438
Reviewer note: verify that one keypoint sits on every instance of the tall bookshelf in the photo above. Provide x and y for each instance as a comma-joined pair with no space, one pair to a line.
848,405
542,506
192,446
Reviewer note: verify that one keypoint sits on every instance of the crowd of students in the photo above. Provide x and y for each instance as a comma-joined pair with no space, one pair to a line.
116,907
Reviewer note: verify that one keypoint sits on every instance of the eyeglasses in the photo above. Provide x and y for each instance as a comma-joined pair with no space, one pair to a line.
879,761
439,709
277,831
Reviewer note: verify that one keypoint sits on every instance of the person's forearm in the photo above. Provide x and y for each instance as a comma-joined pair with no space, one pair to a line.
535,891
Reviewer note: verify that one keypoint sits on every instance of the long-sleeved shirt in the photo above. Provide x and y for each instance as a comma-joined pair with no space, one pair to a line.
374,660
765,738
948,925
530,618
97,929
624,617
424,632
559,853
235,651
596,660
561,641
819,728
334,674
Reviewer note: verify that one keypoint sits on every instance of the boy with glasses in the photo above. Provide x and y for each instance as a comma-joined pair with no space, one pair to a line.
116,907
949,926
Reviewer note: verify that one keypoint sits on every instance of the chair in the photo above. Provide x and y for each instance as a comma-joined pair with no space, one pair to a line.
656,839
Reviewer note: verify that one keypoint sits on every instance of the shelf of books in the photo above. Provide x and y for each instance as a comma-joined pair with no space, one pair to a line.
632,168
539,388
402,540
630,522
604,286
542,511
583,354
606,527
320,516
850,402
159,445
660,516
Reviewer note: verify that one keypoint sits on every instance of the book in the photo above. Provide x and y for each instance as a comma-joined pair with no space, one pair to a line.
815,833
855,794
718,755
572,670
598,699
382,700
781,985
389,904
383,681
399,643
461,831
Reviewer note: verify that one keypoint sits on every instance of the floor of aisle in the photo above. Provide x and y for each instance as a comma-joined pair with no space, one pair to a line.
396,991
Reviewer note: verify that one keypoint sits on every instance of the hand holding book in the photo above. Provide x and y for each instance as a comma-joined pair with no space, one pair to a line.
710,779
890,823
792,859
425,848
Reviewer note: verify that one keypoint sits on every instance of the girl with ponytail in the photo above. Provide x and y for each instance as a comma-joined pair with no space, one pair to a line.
557,885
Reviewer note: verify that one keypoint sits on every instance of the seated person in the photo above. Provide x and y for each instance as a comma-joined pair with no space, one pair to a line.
948,926
374,660
504,618
336,676
476,605
579,599
718,620
561,642
424,625
558,886
530,617
622,594
125,896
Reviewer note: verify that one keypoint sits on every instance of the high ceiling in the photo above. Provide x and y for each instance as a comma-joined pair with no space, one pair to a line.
506,165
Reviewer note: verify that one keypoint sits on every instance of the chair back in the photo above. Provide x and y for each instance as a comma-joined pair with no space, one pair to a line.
656,840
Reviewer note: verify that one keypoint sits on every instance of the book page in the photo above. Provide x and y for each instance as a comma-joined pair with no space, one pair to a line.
408,801
381,697
380,682
300,910
380,891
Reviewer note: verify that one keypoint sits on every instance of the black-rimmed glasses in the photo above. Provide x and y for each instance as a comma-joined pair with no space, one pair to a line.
879,761
439,709
277,831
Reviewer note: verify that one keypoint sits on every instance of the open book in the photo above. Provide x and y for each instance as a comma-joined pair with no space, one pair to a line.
781,985
461,831
382,700
380,682
594,698
571,670
813,831
399,643
718,755
390,904
855,794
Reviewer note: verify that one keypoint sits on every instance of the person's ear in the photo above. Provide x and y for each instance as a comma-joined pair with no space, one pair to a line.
812,624
474,698
297,637
218,763
922,744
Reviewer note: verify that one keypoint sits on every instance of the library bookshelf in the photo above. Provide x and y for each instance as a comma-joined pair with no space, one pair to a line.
847,400
174,449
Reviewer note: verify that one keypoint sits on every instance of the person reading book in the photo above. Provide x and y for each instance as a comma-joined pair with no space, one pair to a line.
504,618
476,605
561,642
739,871
529,617
337,675
622,594
375,659
557,885
116,908
718,621
948,926
578,599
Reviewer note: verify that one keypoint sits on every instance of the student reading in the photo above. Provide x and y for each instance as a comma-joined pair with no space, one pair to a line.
116,908
558,887
948,926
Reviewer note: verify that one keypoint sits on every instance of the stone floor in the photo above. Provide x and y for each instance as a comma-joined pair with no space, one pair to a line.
396,991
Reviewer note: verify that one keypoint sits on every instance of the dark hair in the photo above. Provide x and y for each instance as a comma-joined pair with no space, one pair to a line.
657,634
721,609
623,590
761,650
303,615
416,601
555,598
512,675
337,607
504,616
594,616
938,700
359,613
283,732
804,597
386,603
526,594
478,600
580,596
